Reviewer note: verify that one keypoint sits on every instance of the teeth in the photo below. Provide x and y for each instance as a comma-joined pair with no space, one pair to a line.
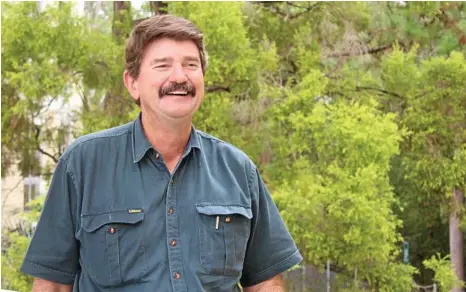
178,92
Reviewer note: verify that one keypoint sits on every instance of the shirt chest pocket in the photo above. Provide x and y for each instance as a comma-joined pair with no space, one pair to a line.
223,237
112,247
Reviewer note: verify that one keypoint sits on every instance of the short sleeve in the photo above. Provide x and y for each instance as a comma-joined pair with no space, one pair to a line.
271,250
53,252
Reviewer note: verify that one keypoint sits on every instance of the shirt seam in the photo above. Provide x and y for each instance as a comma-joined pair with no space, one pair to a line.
111,212
221,204
92,137
215,139
73,179
250,180
49,269
275,265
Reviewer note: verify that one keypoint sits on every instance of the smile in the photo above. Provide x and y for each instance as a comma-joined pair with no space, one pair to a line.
181,93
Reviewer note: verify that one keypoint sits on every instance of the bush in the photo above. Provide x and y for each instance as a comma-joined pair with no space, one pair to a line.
444,274
14,246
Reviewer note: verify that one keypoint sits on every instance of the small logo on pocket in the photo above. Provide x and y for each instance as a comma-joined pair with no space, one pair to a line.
132,211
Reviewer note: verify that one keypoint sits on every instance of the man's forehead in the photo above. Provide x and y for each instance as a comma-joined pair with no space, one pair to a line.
168,50
169,43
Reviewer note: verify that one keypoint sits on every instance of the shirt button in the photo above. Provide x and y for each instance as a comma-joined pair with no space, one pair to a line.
227,220
111,230
172,181
171,211
176,276
173,243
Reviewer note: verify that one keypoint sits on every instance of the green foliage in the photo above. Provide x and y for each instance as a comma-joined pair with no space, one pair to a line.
435,26
431,106
47,56
395,277
16,243
11,262
433,112
338,180
444,274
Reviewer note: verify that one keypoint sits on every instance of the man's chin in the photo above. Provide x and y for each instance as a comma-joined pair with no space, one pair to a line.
179,114
171,109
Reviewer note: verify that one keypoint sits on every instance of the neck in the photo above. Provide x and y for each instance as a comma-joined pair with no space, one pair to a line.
169,139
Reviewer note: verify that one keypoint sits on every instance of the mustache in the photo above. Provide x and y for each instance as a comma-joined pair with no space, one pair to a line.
175,86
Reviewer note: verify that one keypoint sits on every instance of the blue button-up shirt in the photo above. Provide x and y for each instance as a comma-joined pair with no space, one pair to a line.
115,219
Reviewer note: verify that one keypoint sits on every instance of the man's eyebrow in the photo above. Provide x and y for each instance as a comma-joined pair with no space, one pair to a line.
190,58
168,59
160,60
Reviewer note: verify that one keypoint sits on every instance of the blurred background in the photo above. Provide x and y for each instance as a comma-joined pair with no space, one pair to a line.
355,113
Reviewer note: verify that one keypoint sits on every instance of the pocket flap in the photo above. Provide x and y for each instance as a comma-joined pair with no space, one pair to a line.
209,209
91,223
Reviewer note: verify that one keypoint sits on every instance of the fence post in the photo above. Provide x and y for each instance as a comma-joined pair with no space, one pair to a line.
303,278
328,275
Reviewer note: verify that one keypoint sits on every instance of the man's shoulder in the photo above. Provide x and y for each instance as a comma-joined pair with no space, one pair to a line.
215,146
99,138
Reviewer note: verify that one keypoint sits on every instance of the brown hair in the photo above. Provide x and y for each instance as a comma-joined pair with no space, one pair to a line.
157,27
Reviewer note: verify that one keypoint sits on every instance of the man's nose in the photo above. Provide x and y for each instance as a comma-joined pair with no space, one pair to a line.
178,75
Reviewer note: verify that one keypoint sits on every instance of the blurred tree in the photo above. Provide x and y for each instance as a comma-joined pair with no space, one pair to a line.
435,151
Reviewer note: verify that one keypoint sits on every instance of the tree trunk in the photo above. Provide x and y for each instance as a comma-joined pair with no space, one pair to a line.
122,20
456,238
159,7
117,103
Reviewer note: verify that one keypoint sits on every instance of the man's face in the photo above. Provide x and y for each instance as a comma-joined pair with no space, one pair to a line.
171,82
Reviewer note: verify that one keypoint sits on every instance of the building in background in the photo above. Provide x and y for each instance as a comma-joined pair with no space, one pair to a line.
18,191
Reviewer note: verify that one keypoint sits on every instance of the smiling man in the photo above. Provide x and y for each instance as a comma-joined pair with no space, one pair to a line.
156,205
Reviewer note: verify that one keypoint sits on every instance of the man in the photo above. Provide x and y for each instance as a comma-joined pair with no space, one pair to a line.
155,205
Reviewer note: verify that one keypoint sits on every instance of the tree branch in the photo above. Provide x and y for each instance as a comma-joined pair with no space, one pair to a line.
215,88
370,51
47,154
46,108
158,7
307,9
297,6
273,9
451,23
359,88
40,149
270,7
103,63
5,196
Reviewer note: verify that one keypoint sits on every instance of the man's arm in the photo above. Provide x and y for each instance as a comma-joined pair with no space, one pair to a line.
53,254
41,285
275,284
270,250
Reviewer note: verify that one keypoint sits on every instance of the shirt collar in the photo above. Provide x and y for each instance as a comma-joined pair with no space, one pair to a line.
141,145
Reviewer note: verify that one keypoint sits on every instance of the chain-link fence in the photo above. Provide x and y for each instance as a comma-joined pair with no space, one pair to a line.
308,278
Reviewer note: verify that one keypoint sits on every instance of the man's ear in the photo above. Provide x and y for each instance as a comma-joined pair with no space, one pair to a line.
131,84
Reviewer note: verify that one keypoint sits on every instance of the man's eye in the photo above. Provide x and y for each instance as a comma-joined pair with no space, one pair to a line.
192,65
162,66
